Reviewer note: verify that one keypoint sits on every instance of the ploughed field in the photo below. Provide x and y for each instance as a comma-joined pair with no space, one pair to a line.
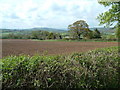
29,47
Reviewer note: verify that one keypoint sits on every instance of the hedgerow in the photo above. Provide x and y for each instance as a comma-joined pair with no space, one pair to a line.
93,69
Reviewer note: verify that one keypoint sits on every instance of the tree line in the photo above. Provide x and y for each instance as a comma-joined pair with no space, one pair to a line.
77,30
41,35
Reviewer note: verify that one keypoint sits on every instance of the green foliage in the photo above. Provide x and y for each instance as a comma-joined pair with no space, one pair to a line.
88,35
112,16
92,34
93,69
51,36
78,28
41,35
117,33
109,37
96,34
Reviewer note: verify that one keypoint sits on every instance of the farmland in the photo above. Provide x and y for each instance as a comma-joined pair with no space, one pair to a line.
54,46
30,47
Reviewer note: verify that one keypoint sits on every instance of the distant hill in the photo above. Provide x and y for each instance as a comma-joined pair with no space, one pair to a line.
49,29
105,30
102,30
35,29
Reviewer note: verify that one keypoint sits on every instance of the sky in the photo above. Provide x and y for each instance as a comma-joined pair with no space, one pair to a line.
21,14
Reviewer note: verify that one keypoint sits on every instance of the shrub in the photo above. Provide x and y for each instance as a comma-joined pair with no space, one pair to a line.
88,35
101,67
109,37
96,34
112,37
93,69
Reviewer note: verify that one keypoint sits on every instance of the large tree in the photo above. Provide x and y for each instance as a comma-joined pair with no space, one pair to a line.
112,16
78,28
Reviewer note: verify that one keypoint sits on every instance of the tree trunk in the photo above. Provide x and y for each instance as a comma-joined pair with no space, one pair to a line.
79,36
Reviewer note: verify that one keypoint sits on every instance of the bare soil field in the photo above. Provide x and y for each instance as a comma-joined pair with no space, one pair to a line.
29,47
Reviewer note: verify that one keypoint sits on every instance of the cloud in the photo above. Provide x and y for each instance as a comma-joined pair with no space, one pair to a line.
48,13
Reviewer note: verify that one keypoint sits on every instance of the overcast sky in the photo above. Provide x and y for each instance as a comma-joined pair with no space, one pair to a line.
48,13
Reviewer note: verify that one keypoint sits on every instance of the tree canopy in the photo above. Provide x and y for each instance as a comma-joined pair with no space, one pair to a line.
78,28
112,16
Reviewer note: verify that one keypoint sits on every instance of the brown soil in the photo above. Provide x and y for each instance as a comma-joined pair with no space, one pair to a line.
29,47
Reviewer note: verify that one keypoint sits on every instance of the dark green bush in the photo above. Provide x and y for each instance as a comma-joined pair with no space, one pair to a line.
93,69
102,67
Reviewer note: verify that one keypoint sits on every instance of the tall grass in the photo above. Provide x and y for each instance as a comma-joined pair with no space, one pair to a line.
93,69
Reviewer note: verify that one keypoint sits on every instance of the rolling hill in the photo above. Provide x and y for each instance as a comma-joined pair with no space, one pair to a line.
102,30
